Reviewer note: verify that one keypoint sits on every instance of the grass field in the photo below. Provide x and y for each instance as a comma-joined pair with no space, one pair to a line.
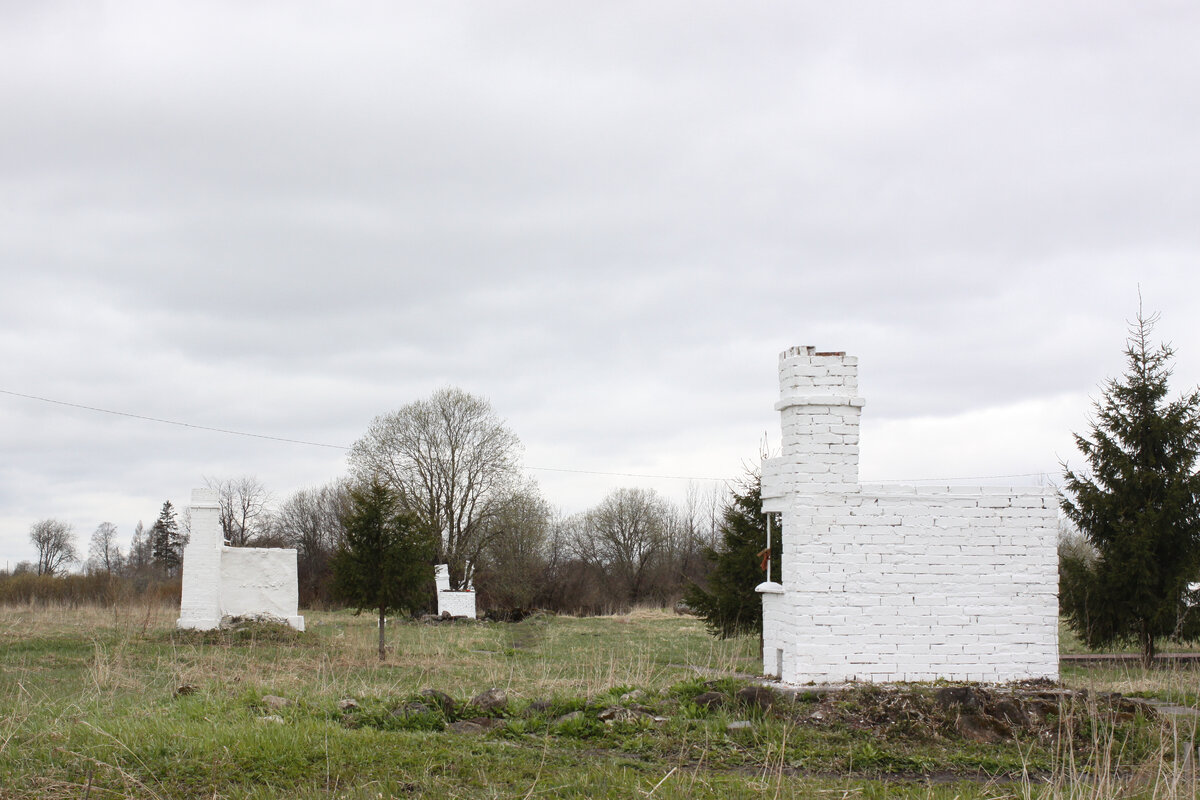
99,703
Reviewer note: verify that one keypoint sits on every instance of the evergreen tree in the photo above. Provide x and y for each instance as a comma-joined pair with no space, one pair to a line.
1138,507
385,561
165,542
730,606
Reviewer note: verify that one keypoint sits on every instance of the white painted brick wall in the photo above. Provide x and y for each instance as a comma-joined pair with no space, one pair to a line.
259,580
459,604
200,605
897,583
221,581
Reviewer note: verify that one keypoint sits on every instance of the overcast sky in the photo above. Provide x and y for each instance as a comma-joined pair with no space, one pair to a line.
607,218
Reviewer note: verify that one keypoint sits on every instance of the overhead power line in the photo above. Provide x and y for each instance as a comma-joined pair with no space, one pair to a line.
285,439
230,432
172,421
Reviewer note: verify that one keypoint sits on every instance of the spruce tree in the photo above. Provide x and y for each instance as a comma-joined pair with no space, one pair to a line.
165,542
1137,504
385,561
730,606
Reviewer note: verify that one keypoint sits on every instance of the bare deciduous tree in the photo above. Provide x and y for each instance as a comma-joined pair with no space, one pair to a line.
104,554
691,528
452,461
245,503
702,511
515,557
624,535
55,543
140,559
311,521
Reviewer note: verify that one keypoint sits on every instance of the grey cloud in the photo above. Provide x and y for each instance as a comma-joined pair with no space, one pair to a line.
608,218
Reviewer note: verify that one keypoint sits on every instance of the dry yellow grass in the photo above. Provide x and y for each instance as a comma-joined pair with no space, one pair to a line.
116,670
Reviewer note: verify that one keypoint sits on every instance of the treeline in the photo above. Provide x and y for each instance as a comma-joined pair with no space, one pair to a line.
454,466
635,547
76,589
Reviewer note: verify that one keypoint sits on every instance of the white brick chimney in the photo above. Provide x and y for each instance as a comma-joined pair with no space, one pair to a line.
820,409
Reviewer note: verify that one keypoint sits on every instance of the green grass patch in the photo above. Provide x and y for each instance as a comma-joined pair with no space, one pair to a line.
117,703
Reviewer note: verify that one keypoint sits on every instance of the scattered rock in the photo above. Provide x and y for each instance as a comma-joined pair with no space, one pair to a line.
442,700
965,697
739,725
537,707
621,714
491,700
411,710
760,697
981,728
683,609
710,700
442,619
275,702
618,714
237,623
1010,711
186,689
1039,710
272,718
574,715
1133,706
347,704
465,727
487,723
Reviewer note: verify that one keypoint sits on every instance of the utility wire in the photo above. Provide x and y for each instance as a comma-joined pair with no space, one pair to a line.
172,422
539,469
317,444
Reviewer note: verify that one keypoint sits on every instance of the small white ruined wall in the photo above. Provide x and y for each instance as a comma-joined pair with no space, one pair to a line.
220,581
457,604
258,580
894,583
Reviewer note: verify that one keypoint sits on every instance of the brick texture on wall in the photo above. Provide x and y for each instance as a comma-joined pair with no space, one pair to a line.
456,604
892,583
220,581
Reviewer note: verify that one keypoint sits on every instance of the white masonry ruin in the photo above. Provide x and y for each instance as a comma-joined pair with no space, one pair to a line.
220,581
456,604
896,583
